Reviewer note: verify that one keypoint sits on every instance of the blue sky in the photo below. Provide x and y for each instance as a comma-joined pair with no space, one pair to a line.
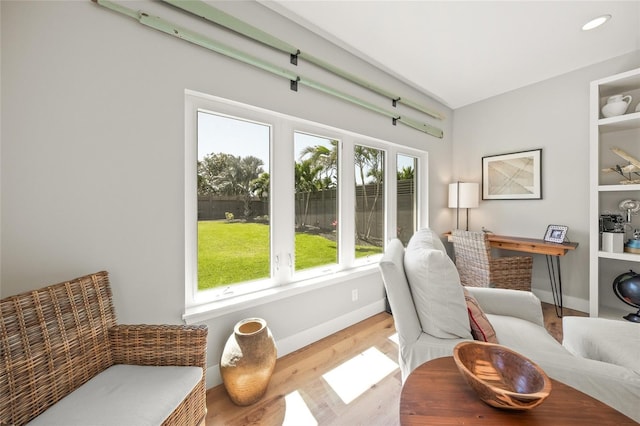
243,138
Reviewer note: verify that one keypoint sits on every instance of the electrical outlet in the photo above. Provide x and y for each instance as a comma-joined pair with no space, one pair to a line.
354,294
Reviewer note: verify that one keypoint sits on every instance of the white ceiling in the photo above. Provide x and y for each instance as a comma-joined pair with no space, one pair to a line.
461,52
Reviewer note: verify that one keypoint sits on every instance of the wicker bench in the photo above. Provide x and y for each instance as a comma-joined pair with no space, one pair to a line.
64,360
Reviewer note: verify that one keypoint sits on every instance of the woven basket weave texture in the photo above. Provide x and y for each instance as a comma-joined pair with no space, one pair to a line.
55,339
477,268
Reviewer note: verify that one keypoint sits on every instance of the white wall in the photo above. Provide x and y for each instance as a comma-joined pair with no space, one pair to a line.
552,115
92,154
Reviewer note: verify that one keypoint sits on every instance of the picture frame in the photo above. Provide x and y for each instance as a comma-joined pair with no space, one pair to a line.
556,233
512,176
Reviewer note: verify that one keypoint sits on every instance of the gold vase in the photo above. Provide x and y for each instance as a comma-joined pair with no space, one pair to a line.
247,361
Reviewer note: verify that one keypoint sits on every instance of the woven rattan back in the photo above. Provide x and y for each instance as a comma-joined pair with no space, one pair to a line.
473,255
52,341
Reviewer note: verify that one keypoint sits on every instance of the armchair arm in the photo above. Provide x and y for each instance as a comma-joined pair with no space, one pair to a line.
161,345
503,301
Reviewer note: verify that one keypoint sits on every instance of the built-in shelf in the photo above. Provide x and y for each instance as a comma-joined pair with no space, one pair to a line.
632,257
613,313
621,131
619,188
620,122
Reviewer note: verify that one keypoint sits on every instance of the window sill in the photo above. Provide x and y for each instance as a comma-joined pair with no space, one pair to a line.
210,310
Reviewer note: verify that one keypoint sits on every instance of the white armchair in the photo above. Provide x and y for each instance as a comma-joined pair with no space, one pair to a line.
515,315
417,346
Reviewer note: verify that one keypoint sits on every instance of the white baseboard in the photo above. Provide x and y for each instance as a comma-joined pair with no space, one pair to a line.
570,302
293,343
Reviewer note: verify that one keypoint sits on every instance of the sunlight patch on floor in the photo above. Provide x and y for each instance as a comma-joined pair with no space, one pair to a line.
355,376
297,413
394,338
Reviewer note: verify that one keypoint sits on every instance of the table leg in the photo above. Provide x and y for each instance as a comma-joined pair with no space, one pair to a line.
556,283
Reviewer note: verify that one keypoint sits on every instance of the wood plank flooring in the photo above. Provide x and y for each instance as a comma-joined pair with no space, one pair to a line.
299,393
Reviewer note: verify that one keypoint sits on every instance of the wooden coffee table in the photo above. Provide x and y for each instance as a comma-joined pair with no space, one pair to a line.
435,393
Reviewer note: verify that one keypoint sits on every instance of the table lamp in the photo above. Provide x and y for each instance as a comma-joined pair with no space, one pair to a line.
463,195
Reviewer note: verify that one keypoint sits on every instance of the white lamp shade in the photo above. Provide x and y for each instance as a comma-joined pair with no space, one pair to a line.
468,197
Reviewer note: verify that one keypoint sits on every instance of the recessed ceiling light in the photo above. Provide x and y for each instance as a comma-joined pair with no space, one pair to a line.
596,22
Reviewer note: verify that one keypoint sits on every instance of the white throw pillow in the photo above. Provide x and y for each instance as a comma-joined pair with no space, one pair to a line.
435,286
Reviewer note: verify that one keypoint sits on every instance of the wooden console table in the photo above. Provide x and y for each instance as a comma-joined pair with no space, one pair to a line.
530,245
536,246
435,393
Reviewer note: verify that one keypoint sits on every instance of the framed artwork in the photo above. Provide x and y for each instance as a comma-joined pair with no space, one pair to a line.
556,233
514,176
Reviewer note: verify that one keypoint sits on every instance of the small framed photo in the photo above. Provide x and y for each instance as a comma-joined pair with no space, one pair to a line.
556,233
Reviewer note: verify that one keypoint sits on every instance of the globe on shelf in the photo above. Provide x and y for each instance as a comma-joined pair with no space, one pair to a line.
627,287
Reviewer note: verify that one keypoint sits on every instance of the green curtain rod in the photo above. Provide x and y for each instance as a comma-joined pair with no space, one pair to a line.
166,27
219,17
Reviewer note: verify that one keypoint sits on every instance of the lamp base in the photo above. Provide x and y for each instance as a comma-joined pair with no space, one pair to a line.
633,317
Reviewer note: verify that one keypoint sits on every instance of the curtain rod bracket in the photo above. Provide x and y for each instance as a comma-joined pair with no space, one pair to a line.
394,120
294,84
395,101
294,57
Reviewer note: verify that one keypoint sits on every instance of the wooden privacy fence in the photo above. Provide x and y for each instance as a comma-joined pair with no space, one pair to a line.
322,209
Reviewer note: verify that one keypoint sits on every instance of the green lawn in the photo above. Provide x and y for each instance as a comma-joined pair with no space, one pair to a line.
232,252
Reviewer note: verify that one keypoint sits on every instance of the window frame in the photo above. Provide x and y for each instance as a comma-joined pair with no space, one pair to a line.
284,281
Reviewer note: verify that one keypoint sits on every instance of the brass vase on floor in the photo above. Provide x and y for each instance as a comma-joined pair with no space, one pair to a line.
247,361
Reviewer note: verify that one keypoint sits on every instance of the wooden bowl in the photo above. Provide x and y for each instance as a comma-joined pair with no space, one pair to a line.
502,377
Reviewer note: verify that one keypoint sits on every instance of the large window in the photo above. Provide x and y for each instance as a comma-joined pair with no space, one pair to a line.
271,200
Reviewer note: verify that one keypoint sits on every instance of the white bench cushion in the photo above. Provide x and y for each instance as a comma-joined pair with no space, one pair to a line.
124,395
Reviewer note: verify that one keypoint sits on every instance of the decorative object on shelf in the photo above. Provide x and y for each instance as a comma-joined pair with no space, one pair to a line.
514,176
502,377
610,222
463,195
613,242
247,361
556,233
631,169
631,207
616,105
627,287
633,245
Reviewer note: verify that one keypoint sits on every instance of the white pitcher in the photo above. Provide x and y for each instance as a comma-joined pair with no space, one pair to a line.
616,105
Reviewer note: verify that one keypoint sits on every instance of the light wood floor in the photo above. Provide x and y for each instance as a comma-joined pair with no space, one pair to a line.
299,395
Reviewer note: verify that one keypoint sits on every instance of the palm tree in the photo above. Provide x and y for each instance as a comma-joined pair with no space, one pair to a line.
260,186
369,164
406,173
325,158
306,182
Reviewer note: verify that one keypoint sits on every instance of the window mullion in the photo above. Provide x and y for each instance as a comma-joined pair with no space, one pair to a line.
423,190
282,211
346,206
391,194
